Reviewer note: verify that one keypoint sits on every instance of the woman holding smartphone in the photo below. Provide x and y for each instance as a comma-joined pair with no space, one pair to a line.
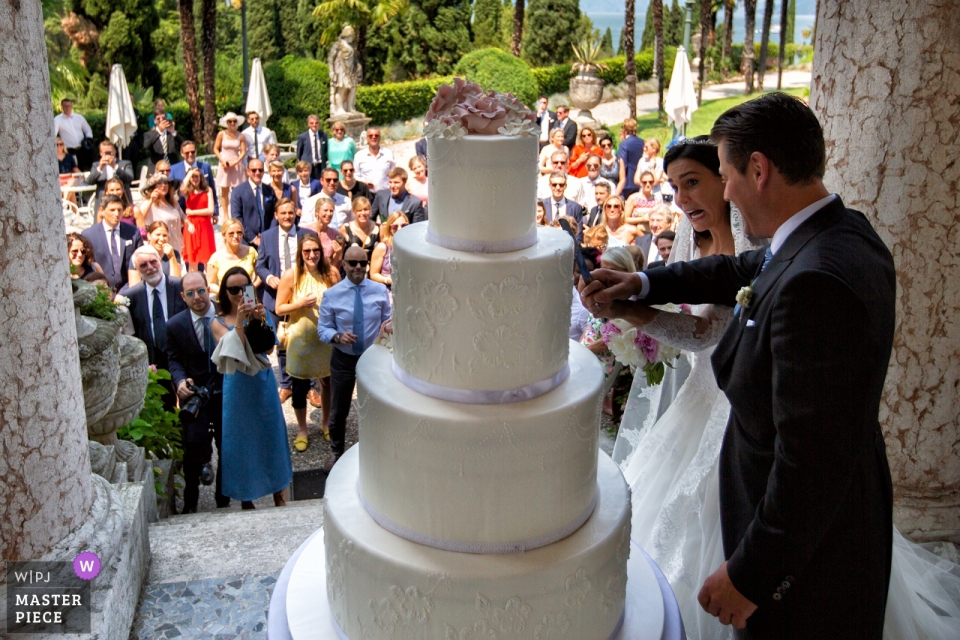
255,457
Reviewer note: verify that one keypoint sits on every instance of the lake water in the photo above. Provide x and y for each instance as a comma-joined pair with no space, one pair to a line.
602,20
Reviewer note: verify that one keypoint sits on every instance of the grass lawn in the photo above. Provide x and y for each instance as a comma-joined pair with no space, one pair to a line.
649,126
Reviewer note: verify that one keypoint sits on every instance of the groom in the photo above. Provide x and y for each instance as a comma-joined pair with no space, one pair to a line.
805,490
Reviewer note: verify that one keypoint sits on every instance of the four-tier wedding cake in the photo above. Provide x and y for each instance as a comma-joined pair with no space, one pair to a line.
476,504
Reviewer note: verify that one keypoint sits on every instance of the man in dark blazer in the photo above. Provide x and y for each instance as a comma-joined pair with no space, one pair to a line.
806,498
150,319
660,220
178,171
108,168
277,253
546,120
397,197
565,122
595,215
559,205
189,347
113,241
252,203
312,147
162,143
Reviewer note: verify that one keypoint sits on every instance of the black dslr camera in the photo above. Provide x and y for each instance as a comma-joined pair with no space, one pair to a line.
199,398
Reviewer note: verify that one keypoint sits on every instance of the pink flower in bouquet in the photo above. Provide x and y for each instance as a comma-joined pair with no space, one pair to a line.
608,329
647,345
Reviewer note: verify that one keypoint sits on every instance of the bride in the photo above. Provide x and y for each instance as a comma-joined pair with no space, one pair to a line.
668,447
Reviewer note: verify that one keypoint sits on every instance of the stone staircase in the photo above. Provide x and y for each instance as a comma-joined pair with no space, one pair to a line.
212,574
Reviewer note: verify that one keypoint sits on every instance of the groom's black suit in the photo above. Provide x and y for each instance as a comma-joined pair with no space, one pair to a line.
805,491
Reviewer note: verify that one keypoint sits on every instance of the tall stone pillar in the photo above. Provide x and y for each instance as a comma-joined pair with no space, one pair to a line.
46,489
886,86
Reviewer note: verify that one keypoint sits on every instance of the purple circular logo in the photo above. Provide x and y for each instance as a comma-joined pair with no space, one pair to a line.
86,565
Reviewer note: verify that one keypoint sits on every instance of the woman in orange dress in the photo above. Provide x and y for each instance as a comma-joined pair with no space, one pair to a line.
588,147
199,242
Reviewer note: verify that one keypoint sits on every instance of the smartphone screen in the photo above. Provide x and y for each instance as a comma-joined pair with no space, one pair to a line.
248,294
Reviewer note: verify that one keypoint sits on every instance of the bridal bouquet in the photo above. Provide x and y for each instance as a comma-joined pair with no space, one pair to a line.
636,349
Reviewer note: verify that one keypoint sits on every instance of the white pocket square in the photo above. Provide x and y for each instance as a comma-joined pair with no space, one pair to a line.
128,243
751,323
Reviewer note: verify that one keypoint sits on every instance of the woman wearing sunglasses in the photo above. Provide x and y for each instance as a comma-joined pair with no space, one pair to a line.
80,254
233,254
619,233
349,186
299,295
340,147
640,204
609,163
255,456
230,148
581,152
380,267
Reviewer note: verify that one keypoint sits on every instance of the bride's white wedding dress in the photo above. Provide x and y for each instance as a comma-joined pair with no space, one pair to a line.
668,448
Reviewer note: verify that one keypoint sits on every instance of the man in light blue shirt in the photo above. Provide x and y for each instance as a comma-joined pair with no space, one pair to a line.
351,314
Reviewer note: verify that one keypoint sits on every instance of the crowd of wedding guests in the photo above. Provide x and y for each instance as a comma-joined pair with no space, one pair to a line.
315,245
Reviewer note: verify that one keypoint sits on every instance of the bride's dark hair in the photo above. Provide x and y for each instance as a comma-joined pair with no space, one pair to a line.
703,151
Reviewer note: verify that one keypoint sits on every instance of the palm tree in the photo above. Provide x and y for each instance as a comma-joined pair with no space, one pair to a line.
630,65
361,14
517,28
706,22
728,7
658,45
765,40
188,35
208,40
784,10
746,64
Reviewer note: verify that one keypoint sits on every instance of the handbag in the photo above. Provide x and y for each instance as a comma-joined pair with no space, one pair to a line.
260,336
283,333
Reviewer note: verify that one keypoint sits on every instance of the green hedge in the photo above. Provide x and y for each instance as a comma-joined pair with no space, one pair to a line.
556,79
498,70
392,101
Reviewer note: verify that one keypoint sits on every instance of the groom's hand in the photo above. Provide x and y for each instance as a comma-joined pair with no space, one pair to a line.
720,598
608,286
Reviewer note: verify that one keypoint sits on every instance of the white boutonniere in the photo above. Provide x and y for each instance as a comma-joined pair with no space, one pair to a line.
745,297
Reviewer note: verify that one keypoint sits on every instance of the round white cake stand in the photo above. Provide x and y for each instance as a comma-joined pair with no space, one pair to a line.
299,610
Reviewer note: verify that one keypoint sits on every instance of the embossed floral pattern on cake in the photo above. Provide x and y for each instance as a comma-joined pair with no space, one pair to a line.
465,108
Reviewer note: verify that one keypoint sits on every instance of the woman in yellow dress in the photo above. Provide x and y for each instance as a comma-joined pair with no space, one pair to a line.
233,254
298,297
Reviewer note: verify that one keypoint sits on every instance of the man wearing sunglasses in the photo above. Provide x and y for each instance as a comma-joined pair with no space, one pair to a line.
374,163
558,204
351,313
189,347
252,203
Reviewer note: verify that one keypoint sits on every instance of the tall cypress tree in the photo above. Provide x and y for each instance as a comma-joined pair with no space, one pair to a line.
649,33
606,44
550,31
791,19
486,23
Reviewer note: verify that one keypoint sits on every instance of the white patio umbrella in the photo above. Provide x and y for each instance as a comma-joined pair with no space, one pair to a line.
257,98
681,98
121,116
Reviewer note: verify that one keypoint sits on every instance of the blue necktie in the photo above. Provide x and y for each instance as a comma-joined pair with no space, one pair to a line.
767,257
115,253
159,323
259,207
358,320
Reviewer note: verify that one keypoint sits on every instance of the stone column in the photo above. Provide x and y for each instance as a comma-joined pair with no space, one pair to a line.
45,482
886,86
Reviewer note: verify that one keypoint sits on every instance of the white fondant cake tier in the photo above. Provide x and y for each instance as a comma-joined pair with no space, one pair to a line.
483,188
482,322
380,586
479,477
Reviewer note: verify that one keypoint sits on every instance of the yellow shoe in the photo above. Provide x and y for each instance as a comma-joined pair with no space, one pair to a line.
326,433
300,443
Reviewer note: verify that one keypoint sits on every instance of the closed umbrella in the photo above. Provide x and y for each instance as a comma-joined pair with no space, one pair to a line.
681,98
121,116
257,98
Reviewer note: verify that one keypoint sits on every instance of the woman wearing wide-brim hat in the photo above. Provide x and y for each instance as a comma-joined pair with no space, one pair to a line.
230,150
160,203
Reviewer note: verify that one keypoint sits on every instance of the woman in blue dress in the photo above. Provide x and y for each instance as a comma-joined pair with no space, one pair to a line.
255,456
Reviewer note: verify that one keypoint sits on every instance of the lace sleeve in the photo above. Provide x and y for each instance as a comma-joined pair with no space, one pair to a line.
680,330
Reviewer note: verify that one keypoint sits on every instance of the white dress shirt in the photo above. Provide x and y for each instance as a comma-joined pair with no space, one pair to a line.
198,324
553,213
574,190
264,137
72,129
342,211
373,169
579,317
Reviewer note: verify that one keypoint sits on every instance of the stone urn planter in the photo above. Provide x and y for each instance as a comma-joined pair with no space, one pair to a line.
99,354
586,92
131,390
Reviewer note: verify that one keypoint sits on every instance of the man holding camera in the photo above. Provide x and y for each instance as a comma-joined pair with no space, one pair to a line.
108,168
162,142
199,386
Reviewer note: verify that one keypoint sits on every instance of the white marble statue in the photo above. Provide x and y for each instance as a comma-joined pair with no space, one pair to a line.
345,73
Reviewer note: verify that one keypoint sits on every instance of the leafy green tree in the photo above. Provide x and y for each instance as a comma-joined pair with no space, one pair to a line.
431,36
506,24
361,14
486,23
551,32
606,44
498,70
272,29
791,19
